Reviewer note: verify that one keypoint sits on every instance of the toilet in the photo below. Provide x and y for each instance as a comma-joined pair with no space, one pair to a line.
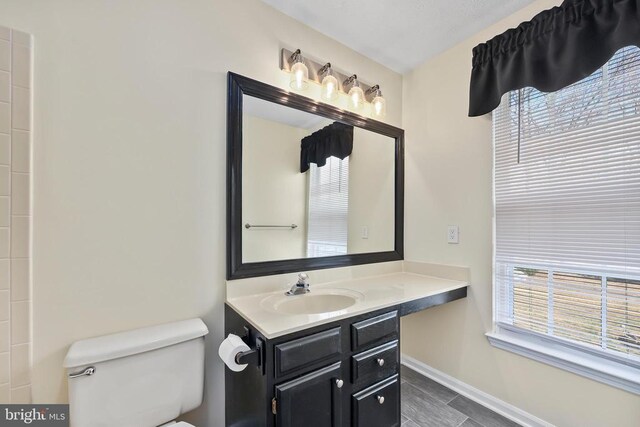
141,378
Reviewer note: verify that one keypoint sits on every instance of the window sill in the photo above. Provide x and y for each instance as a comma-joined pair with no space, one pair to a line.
614,373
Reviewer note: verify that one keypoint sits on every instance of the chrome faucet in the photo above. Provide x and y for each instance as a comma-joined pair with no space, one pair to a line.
301,287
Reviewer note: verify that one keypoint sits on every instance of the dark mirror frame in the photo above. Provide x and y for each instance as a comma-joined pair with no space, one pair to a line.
236,269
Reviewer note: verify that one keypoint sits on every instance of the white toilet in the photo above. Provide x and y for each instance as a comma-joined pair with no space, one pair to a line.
141,378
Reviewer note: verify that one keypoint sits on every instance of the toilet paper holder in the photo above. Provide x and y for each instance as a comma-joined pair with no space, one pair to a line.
255,355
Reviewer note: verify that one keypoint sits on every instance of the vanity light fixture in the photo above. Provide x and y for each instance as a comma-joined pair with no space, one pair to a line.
378,103
356,94
329,83
299,72
332,82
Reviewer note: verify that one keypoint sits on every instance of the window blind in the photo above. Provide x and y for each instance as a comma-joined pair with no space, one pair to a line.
567,206
328,208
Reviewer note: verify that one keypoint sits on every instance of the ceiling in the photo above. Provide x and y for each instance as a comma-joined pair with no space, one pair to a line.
400,34
282,114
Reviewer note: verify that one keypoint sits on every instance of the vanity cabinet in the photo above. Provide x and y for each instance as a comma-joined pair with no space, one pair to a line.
343,373
340,373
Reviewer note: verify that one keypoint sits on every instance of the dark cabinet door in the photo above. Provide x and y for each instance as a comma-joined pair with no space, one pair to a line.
312,400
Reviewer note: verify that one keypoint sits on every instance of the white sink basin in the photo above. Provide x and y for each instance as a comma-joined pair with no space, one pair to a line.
315,302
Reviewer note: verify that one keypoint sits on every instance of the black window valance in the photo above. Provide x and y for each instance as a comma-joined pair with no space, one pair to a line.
333,140
558,47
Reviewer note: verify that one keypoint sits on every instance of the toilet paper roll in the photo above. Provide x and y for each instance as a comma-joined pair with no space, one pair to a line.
231,346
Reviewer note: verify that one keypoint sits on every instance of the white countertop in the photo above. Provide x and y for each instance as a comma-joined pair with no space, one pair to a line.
374,292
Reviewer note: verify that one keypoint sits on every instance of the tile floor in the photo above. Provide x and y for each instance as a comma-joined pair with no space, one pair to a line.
426,403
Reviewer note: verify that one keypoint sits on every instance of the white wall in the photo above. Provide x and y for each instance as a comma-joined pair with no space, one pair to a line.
129,161
274,191
448,181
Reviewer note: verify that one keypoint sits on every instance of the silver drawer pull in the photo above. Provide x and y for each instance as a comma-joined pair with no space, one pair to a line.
380,399
87,372
339,383
380,362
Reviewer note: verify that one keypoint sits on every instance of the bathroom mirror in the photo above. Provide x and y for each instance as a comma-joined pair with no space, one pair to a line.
310,185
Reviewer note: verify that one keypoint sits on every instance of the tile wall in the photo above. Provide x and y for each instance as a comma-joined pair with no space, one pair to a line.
15,216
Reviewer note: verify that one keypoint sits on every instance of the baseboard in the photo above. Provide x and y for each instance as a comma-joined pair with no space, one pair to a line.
501,407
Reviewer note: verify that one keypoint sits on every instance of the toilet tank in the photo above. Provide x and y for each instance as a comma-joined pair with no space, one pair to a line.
142,378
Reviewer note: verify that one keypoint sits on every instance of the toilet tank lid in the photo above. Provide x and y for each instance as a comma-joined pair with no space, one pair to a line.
108,347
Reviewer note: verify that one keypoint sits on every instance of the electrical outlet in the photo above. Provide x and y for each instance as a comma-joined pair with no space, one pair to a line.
452,234
364,232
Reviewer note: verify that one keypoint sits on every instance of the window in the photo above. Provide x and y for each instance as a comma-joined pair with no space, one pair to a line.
328,208
567,232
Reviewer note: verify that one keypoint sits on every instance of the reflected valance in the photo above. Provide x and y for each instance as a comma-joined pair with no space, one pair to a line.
558,47
333,140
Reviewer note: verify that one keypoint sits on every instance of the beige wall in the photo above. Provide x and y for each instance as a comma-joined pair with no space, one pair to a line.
129,191
274,191
129,161
371,192
448,179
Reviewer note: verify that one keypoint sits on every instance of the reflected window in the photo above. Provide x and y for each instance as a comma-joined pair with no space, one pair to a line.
328,209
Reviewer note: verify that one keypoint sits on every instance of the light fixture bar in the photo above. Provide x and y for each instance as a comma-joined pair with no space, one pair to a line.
314,67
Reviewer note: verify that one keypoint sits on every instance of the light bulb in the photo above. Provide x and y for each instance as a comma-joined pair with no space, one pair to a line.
329,88
356,97
299,74
378,106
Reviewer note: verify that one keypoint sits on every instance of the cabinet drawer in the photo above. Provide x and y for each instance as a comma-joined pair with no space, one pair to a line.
375,364
373,330
378,405
306,351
